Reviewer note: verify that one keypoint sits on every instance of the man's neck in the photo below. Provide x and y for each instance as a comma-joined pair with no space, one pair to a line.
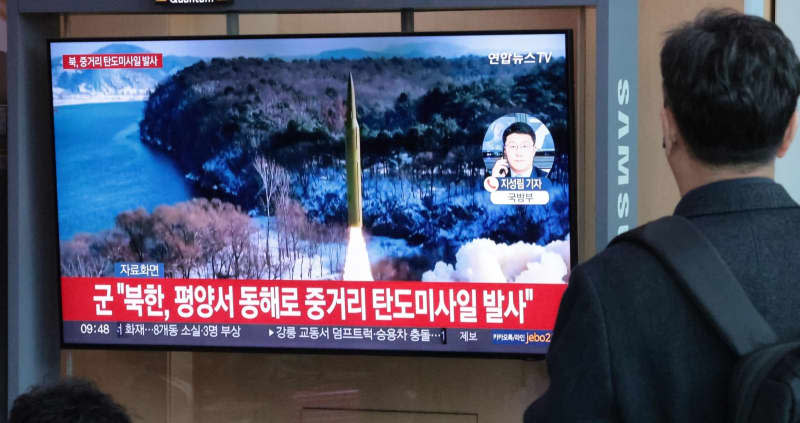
701,174
524,174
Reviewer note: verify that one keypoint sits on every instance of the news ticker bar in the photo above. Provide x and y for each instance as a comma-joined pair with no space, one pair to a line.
307,337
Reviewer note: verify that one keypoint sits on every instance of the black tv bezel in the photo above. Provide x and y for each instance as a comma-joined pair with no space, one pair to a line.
574,238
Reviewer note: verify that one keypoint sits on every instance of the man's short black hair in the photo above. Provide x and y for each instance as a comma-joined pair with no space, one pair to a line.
519,128
69,401
732,82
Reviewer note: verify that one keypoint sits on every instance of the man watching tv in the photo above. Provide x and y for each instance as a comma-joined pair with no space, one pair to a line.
629,345
67,401
519,149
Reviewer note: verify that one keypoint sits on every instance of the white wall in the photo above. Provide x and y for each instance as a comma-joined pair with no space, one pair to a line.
754,7
787,170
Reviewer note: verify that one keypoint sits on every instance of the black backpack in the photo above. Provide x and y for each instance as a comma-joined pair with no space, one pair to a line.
765,386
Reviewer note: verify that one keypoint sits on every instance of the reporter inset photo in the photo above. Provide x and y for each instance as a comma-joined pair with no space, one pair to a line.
518,145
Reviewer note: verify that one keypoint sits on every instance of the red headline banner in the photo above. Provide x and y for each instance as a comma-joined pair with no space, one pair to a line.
395,304
112,61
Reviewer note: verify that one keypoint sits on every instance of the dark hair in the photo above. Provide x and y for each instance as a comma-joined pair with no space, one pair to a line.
519,128
68,401
732,82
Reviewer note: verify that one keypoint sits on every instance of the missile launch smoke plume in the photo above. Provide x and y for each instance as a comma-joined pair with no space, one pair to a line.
356,262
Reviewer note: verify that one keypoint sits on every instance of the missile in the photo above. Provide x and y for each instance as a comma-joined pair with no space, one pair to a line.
352,151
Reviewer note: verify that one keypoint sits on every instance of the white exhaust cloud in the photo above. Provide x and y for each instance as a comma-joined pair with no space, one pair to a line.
483,260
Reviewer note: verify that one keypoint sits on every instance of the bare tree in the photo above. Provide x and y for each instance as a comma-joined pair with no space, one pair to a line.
80,257
138,226
275,183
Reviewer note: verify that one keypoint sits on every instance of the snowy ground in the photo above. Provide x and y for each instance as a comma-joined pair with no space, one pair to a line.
479,260
329,264
381,247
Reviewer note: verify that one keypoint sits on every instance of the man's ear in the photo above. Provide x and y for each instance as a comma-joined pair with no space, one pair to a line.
669,131
788,136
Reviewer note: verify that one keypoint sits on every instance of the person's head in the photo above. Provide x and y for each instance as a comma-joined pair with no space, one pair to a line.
731,84
519,146
68,401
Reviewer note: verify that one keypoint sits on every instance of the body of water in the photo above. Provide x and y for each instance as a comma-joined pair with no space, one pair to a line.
103,169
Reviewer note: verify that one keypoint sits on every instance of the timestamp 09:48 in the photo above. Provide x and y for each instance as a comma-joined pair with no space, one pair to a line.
95,328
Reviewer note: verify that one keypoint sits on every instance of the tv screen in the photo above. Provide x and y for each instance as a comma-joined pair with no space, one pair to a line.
389,192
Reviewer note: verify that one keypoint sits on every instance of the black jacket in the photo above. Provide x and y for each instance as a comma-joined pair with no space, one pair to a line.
628,345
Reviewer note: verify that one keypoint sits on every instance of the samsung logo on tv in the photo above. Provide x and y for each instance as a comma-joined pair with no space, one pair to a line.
193,1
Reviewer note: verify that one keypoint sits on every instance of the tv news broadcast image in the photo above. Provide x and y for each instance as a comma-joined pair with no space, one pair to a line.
379,193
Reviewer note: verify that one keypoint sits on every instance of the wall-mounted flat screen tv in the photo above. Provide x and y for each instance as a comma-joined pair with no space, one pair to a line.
407,193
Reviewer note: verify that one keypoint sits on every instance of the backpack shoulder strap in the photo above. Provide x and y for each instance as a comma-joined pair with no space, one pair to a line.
691,258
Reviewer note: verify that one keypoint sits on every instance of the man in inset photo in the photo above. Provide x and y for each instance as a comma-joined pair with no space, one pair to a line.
519,149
